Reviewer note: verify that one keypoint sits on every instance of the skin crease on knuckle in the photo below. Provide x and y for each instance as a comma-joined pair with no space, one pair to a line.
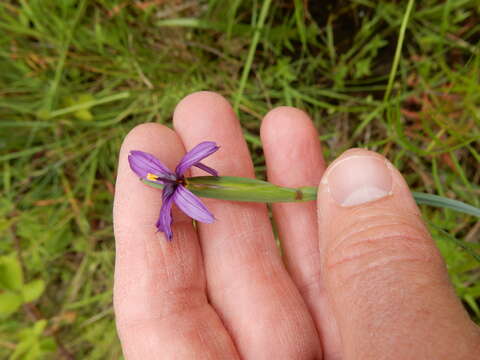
267,273
375,242
388,269
179,337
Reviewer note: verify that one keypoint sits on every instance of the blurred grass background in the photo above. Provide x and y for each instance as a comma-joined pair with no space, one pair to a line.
77,75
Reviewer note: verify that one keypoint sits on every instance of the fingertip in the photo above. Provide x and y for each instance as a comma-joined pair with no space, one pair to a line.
145,135
360,176
288,126
357,151
194,108
292,148
208,116
284,119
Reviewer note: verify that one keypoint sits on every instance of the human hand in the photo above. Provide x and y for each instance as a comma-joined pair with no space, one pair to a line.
361,277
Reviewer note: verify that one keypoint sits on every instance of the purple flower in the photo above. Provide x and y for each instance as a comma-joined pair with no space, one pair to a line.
149,168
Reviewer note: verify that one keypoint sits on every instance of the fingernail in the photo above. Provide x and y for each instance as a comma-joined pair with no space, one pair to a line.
357,180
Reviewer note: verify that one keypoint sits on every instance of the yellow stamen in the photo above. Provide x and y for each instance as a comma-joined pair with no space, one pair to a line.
152,177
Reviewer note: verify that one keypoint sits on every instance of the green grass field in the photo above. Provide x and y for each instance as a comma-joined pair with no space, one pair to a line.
77,75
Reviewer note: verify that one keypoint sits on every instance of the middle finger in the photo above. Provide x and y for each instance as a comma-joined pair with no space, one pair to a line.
294,159
246,280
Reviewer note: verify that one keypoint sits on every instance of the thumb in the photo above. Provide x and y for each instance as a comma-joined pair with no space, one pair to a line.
385,278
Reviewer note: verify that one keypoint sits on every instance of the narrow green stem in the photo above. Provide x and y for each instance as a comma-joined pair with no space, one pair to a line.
251,53
253,190
398,50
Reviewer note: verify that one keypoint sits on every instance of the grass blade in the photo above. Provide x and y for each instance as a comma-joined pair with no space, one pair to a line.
398,51
440,201
246,189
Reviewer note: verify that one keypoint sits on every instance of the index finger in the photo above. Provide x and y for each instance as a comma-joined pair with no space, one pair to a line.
159,293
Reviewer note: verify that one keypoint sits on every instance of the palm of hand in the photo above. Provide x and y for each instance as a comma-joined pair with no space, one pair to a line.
358,281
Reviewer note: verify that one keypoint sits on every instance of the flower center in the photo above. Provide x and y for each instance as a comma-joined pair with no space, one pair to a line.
151,177
181,181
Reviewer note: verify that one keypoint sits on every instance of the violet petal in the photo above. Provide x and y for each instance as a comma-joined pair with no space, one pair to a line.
164,222
192,206
194,156
207,169
143,163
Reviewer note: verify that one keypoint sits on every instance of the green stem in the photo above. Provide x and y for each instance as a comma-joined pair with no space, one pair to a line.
251,54
398,51
253,190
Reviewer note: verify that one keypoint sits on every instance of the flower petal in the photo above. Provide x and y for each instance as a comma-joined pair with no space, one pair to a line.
164,222
143,163
194,156
192,206
207,169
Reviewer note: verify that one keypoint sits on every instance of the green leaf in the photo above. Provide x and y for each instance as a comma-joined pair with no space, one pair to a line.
39,326
30,345
11,275
33,290
362,68
22,348
242,189
34,352
9,303
84,113
440,201
469,248
48,344
246,189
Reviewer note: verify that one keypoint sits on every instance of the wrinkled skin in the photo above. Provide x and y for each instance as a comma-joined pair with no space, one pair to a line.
356,282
